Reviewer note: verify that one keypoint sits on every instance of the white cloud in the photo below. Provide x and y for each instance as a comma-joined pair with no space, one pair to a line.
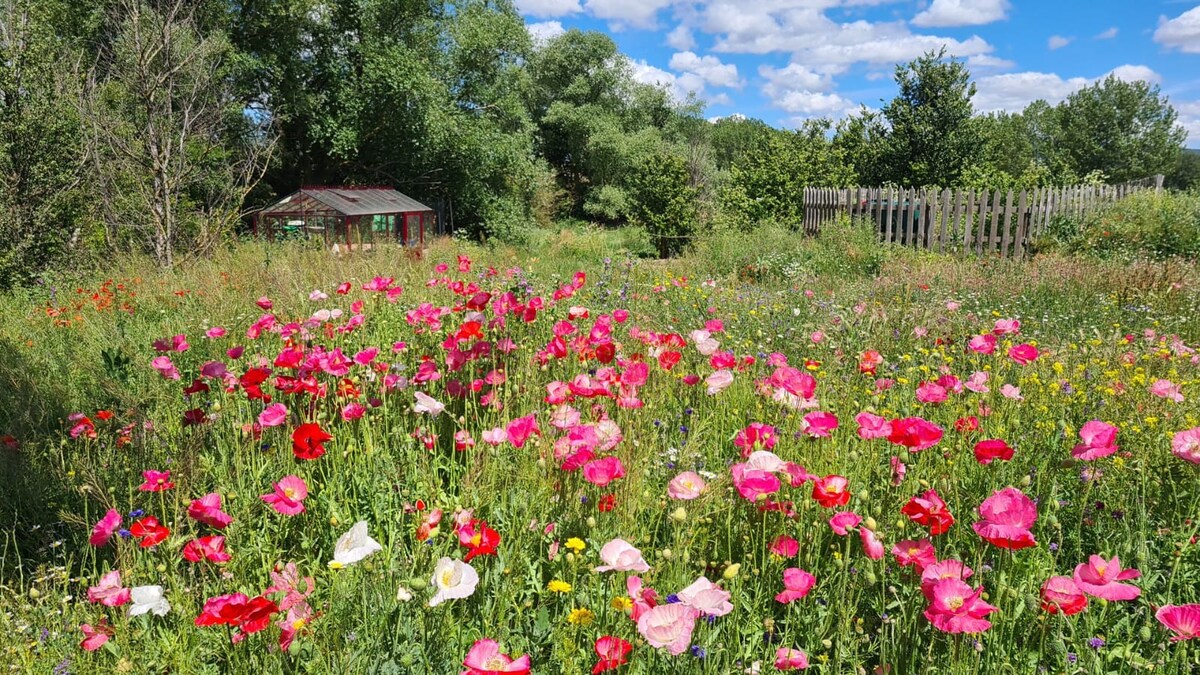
681,38
985,62
1189,118
621,13
720,99
1014,91
815,104
793,76
680,86
1182,32
545,31
1108,34
962,13
707,68
1058,42
548,8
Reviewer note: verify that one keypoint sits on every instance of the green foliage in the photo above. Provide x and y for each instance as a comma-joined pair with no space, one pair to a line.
664,202
1186,174
1145,224
771,252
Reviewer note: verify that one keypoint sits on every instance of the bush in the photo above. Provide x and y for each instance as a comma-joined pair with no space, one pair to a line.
1150,225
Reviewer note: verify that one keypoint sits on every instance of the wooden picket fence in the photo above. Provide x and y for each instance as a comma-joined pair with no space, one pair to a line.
962,221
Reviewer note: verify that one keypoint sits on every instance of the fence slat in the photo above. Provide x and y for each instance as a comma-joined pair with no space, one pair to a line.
1006,230
888,222
1024,217
945,213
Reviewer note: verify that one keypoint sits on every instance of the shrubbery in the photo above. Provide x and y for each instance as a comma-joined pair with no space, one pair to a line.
1143,225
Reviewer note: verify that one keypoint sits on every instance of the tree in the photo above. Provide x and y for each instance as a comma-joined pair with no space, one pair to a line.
664,202
862,140
1127,130
737,136
930,141
171,152
1186,175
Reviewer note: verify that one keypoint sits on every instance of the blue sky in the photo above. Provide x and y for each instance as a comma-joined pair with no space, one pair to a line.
784,61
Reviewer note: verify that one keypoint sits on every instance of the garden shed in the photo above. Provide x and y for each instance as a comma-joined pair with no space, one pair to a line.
354,217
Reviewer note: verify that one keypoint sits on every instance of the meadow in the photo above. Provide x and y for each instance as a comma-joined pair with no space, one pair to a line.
767,455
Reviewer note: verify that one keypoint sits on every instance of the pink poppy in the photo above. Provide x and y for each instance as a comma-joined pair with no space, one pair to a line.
871,544
982,344
1183,620
796,584
1186,445
94,637
164,367
706,597
1167,389
210,548
899,469
872,426
207,510
601,472
668,626
155,481
957,608
621,556
215,332
915,433
687,485
990,450
1101,578
520,429
353,411
785,546
753,436
943,569
109,592
844,521
753,483
106,528
485,658
1023,354
718,381
1007,327
1099,440
1061,595
288,496
930,392
977,382
819,424
919,554
787,659
273,415
1007,516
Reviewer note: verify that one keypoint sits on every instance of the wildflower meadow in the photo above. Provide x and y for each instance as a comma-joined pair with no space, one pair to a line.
484,461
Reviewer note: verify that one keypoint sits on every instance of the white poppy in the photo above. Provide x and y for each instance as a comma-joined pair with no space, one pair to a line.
454,580
148,599
354,546
403,594
428,404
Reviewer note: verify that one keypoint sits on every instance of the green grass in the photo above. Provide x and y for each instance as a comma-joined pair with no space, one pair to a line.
94,354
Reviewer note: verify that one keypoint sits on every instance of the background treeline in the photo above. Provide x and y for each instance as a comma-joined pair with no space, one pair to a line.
154,125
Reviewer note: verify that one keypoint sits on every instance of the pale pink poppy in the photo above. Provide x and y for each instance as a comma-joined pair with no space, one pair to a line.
841,523
706,597
765,460
1011,392
1186,445
977,382
787,659
207,510
1006,327
1101,578
718,381
1099,440
288,496
687,485
796,584
109,591
494,437
105,528
273,415
668,626
621,556
427,404
982,344
1167,389
872,426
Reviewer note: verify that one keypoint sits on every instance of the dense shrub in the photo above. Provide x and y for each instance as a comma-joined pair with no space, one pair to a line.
1144,225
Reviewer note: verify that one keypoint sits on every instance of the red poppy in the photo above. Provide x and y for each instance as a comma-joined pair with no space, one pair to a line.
308,441
990,450
607,503
612,651
149,531
478,538
929,510
194,417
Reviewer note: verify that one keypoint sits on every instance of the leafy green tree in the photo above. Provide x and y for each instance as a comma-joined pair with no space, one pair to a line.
769,185
930,140
1186,175
664,202
1127,130
735,137
862,139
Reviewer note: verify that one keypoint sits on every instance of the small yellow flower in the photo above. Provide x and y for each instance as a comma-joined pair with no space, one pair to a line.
575,544
581,617
559,586
621,604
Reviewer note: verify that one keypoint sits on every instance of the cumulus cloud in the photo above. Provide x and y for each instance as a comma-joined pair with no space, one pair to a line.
1013,91
1108,34
545,31
1058,42
1182,32
707,68
681,38
1189,118
807,104
793,76
621,13
943,13
548,8
981,62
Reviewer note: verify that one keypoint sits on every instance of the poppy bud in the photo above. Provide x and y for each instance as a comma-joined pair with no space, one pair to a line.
679,515
732,571
591,521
